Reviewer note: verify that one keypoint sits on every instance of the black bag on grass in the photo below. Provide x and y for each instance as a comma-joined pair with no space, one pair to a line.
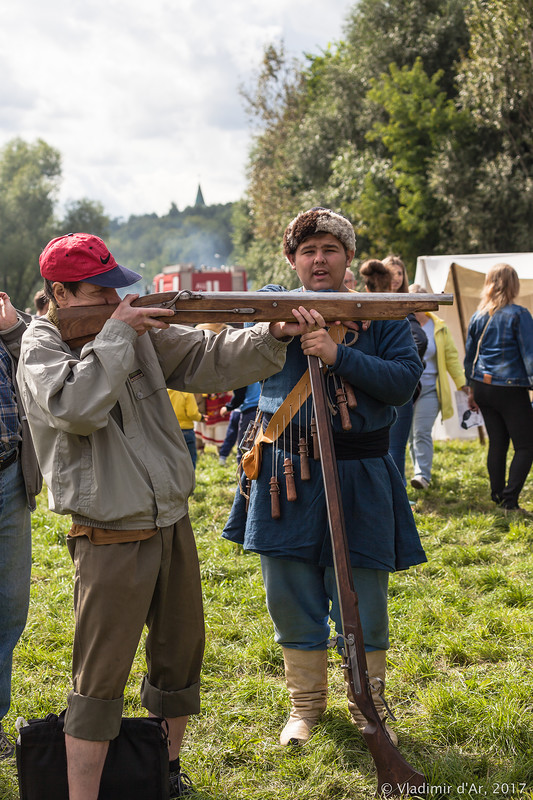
136,766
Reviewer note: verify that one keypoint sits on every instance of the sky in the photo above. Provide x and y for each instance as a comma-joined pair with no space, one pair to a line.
141,97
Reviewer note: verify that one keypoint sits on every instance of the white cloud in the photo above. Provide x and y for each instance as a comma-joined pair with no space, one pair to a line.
141,97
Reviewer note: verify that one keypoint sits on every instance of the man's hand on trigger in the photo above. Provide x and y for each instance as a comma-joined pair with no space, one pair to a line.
139,318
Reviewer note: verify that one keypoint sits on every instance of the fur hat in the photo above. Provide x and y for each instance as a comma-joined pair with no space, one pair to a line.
317,220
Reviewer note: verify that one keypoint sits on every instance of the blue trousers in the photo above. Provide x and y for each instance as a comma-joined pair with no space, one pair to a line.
15,570
190,440
425,413
399,435
301,598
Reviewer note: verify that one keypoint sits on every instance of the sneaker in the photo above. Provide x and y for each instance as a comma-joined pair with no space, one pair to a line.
222,459
418,482
7,748
180,785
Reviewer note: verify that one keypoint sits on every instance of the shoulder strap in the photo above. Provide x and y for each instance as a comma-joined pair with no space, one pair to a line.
287,410
479,343
295,399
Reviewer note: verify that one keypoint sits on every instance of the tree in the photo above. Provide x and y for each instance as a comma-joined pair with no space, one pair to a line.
274,108
85,216
313,121
29,176
486,185
383,32
420,120
198,234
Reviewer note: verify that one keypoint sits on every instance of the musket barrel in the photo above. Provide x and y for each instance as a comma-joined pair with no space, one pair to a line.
80,324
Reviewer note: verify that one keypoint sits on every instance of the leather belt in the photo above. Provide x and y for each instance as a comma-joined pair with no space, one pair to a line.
8,460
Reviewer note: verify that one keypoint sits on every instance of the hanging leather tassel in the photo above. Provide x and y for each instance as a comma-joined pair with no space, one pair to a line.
314,437
305,472
248,490
275,511
274,498
290,486
288,466
350,395
342,405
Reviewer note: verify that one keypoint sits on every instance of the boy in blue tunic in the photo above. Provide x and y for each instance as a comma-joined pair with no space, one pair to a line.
381,363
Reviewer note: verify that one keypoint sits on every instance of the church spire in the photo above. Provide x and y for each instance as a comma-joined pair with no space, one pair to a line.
199,197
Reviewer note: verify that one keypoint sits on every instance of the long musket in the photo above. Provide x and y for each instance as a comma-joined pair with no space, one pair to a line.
395,775
80,324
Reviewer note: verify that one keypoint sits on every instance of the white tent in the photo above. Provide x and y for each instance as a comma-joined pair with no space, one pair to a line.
464,276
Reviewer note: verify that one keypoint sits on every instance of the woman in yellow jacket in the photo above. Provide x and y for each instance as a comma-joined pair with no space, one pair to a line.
186,410
441,357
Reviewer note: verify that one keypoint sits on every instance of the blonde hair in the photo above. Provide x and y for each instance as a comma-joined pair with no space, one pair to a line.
500,289
395,261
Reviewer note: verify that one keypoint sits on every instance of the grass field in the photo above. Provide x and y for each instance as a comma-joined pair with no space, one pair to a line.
460,664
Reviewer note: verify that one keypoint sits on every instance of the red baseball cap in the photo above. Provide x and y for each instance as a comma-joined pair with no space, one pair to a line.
84,257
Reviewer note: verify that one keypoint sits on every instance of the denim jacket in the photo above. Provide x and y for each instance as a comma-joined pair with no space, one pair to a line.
506,351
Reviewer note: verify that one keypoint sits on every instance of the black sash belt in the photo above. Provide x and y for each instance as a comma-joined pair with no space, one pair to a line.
348,445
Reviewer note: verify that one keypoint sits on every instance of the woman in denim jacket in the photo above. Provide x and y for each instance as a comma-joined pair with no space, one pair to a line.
499,365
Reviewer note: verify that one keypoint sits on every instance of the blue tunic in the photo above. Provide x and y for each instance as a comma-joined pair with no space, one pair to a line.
383,367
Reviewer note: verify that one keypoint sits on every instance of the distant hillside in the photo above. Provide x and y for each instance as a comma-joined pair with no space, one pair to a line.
199,234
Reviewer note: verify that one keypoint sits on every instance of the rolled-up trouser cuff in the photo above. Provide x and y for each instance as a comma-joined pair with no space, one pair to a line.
93,719
171,704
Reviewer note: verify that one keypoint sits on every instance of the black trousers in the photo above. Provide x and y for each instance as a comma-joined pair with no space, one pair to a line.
508,416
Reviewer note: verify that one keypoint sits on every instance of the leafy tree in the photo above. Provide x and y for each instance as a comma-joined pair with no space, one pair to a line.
29,176
198,234
313,123
419,120
486,185
496,79
275,110
85,216
384,32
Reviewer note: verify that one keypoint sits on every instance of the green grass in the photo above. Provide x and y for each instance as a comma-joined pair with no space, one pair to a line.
460,678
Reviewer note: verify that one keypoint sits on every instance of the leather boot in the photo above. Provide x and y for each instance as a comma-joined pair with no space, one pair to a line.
306,676
375,664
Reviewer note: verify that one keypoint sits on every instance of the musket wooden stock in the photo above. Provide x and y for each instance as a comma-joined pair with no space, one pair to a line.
80,324
395,775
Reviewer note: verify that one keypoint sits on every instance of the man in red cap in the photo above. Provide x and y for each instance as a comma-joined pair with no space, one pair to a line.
113,458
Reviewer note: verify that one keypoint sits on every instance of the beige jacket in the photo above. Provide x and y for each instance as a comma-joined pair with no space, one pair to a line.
103,427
